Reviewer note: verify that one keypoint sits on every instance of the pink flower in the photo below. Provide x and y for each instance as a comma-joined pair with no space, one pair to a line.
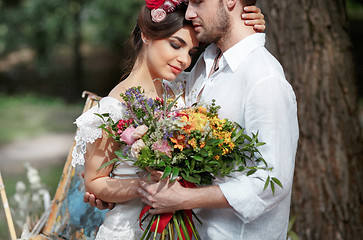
158,15
140,131
126,135
168,6
163,147
136,148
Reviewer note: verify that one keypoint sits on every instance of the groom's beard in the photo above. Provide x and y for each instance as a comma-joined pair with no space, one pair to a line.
218,30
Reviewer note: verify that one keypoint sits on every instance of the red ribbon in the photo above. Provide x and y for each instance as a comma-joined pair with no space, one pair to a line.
166,217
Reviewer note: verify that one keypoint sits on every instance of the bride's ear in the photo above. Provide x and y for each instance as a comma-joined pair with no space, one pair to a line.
144,39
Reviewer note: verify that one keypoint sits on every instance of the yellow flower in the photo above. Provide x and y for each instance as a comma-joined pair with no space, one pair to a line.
193,143
195,121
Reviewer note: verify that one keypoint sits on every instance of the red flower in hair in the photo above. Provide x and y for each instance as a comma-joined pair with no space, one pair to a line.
154,4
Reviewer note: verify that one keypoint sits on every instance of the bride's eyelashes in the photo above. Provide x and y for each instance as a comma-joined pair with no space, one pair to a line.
175,45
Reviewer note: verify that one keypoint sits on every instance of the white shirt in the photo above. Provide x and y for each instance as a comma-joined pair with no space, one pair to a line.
251,89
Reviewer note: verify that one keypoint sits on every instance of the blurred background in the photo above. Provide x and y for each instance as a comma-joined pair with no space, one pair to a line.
53,50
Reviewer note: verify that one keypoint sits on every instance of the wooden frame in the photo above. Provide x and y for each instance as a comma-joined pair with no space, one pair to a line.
69,217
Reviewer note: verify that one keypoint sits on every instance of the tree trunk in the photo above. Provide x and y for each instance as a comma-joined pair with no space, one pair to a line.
309,37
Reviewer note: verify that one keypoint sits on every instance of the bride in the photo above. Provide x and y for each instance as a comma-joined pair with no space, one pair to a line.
163,43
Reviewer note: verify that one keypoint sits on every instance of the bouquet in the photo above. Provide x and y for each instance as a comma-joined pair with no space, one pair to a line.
193,143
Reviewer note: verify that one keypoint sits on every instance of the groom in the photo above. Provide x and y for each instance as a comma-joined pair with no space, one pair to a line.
249,85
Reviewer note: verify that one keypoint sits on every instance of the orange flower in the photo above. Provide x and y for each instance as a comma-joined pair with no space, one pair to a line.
202,110
179,142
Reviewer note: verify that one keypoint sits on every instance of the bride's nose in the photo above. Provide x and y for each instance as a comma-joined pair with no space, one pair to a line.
184,59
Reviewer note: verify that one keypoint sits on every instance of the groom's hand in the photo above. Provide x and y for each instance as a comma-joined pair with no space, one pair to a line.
161,195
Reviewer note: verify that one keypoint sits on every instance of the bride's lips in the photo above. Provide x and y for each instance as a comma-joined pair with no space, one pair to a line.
174,69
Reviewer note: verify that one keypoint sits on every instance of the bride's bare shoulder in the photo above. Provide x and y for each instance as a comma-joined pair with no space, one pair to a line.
118,89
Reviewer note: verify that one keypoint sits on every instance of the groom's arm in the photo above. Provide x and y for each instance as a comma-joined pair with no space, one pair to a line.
164,197
271,111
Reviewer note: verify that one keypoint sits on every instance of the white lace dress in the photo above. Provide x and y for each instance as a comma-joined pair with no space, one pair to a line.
121,223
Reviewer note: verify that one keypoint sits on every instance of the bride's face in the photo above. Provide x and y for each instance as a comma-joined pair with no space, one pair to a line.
166,58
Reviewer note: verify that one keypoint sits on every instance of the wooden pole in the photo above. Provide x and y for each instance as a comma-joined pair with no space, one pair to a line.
7,209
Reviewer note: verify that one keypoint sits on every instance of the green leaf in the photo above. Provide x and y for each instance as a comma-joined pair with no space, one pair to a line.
260,144
170,106
167,172
277,182
293,235
198,158
272,187
291,223
113,161
251,172
194,179
204,153
266,183
192,165
120,154
208,169
174,174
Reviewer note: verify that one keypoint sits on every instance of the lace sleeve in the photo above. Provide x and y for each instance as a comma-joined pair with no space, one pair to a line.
88,126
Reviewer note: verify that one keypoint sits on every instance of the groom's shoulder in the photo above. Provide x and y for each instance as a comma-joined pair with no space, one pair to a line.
262,62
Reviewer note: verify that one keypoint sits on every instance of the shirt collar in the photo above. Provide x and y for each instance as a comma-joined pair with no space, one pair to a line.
237,53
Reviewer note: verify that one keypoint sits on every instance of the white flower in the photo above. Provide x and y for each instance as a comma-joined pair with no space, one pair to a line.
20,187
136,148
140,131
158,15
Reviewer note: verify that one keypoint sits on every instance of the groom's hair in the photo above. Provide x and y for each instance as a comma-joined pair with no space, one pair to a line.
249,2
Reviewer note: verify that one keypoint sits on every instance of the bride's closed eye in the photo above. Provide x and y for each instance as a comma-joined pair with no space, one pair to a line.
174,45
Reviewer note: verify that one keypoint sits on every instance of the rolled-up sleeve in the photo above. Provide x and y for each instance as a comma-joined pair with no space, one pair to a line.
270,110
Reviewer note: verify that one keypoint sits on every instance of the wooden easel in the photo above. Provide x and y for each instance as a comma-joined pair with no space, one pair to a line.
9,219
69,217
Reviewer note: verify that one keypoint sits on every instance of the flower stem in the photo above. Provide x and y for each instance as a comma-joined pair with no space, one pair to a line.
182,223
176,224
157,226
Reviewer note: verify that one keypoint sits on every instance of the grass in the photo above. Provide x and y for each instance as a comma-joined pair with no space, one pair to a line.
26,117
29,116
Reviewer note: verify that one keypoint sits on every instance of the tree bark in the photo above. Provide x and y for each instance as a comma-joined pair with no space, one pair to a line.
309,38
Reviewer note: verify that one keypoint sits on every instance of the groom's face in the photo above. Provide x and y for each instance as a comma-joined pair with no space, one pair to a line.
210,19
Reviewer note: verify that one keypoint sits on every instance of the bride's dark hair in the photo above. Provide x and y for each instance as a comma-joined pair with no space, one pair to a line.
154,31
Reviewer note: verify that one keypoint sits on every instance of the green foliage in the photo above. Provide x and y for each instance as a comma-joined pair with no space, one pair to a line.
42,24
291,235
355,9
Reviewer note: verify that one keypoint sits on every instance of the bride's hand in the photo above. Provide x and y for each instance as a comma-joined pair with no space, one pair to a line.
253,17
97,203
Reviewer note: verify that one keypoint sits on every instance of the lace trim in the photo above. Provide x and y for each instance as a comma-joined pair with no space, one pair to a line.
125,233
88,124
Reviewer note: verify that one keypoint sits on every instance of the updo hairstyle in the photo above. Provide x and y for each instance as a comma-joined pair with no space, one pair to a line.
153,31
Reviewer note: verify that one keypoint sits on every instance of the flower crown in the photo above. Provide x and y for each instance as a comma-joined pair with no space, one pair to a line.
159,8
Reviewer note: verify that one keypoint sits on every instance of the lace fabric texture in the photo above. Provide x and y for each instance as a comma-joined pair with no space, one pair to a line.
121,223
88,124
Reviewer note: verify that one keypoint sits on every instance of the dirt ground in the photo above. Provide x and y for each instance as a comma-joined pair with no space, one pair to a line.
39,152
